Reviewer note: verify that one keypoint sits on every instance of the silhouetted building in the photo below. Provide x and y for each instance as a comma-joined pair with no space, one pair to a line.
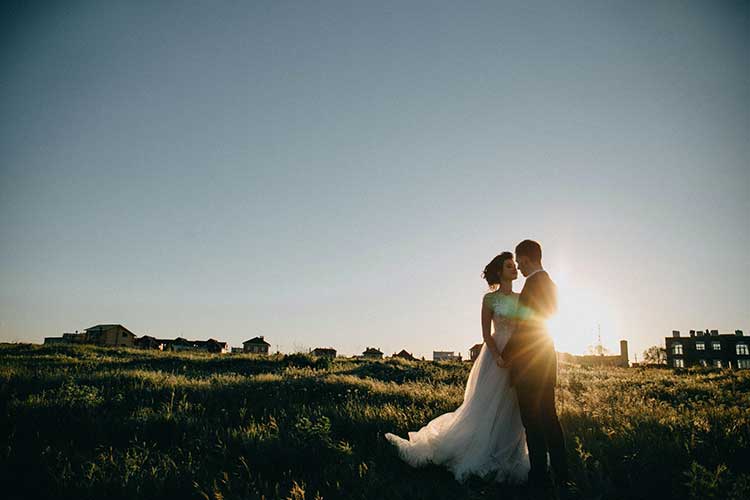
404,354
324,351
372,353
474,351
182,344
256,345
149,342
211,345
118,335
179,344
102,335
620,360
75,338
110,335
708,348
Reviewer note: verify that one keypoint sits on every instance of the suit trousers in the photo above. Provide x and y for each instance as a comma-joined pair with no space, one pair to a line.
543,430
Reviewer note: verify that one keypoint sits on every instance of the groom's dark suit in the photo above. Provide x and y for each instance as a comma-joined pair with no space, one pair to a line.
530,353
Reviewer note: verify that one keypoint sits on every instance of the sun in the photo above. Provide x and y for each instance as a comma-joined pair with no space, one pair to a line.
583,313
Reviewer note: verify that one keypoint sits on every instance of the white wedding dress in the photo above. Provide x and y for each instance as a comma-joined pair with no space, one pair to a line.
484,435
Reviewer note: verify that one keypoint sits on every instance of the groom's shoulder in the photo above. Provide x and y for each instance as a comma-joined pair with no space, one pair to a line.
542,278
545,277
539,276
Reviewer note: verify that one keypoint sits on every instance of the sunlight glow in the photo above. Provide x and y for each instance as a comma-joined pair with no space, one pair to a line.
582,313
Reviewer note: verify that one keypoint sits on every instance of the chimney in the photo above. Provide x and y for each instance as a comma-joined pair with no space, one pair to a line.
261,337
692,333
624,350
714,333
675,333
738,333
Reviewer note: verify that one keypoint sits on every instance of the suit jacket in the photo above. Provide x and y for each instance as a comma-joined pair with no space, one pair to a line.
530,351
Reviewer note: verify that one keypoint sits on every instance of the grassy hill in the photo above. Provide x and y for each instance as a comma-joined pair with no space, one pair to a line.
86,422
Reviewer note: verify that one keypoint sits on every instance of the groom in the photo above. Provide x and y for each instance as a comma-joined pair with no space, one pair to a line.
530,354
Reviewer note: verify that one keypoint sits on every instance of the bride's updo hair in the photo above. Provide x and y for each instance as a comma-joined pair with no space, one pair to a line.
494,270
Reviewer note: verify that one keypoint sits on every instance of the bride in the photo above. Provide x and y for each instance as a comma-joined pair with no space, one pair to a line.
484,435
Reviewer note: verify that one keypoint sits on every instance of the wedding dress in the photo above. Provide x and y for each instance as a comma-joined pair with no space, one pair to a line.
484,435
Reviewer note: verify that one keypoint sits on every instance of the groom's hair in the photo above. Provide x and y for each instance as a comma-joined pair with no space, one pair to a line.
530,249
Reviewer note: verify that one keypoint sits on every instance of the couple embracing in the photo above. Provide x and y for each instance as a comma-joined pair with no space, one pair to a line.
507,423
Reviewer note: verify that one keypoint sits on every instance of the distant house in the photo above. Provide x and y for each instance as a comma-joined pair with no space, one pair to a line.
211,345
109,335
165,344
256,345
237,350
474,351
372,353
149,342
708,348
404,354
182,344
324,351
103,335
445,356
118,335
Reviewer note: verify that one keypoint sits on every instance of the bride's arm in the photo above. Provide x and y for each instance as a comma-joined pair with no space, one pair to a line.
487,334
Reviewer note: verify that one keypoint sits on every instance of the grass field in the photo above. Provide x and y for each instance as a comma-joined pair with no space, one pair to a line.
86,422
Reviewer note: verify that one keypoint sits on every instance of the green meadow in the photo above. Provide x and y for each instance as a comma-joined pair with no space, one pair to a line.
87,422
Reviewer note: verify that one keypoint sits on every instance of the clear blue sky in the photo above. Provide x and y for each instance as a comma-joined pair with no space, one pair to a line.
339,173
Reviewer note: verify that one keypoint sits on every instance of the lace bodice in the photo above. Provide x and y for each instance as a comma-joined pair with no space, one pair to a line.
503,310
501,304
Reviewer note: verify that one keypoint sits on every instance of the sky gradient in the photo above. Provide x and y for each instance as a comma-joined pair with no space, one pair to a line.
340,174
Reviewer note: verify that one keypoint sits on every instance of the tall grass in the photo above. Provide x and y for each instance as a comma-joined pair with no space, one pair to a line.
86,422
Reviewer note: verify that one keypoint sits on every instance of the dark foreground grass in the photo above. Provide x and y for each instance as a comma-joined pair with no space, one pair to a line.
86,422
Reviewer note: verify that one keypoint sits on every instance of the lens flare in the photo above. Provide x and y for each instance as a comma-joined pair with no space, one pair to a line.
583,314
